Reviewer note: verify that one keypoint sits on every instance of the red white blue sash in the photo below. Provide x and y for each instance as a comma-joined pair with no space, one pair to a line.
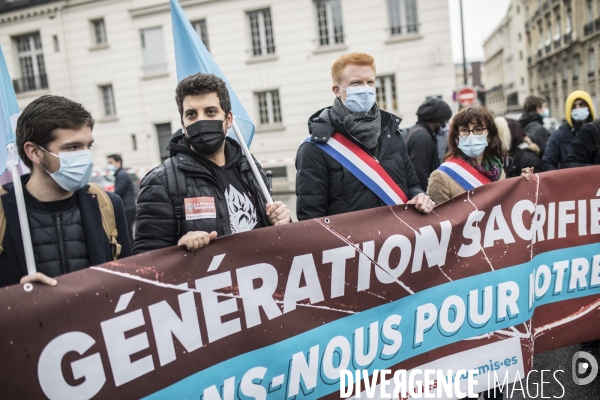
464,173
364,167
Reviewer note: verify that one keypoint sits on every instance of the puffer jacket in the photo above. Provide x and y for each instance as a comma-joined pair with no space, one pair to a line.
63,242
324,187
124,188
533,124
559,147
156,225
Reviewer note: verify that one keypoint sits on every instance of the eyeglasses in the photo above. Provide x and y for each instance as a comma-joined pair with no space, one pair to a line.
478,130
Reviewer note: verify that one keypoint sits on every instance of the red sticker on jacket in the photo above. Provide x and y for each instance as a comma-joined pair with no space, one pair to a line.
200,208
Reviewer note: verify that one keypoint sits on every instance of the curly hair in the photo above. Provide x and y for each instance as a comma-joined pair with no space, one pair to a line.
480,116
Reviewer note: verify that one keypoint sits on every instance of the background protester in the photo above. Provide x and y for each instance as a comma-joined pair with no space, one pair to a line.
585,147
521,152
323,185
421,139
532,121
442,141
54,136
475,145
579,110
124,188
205,188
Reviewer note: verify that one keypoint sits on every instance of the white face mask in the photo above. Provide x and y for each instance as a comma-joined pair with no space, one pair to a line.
75,169
359,98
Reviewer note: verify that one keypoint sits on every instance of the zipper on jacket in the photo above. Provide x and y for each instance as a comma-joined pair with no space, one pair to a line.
61,246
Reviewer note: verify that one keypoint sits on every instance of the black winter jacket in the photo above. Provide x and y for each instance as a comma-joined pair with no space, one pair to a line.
324,187
156,226
124,188
558,147
63,242
533,124
422,148
585,147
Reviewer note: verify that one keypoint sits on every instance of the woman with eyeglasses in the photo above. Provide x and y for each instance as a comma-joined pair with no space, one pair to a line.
474,157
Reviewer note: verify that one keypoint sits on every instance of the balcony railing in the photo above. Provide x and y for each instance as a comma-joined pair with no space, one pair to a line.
588,28
568,38
557,43
30,83
548,48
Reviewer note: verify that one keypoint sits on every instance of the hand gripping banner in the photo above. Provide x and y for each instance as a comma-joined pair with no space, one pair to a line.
484,282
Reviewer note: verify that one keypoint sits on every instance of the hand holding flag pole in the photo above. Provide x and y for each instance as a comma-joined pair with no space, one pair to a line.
191,57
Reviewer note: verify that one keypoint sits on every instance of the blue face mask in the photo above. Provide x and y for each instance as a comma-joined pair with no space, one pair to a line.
580,114
545,113
359,98
75,169
472,146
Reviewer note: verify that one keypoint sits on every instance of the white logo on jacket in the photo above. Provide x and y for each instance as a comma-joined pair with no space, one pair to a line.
242,214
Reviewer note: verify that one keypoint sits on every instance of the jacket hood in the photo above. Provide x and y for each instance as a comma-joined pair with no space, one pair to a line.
578,94
529,117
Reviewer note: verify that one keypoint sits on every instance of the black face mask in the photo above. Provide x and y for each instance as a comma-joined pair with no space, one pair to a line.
206,136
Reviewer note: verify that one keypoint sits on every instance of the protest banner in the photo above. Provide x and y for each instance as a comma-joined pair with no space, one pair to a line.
487,280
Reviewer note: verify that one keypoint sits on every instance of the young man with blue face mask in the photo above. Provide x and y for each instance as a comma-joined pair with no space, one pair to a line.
579,110
325,185
535,110
54,136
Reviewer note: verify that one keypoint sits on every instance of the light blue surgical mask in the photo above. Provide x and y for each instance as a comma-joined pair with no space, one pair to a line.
580,114
111,167
545,113
359,98
75,169
473,145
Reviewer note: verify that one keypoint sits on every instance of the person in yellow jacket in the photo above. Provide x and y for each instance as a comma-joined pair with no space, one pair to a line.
579,110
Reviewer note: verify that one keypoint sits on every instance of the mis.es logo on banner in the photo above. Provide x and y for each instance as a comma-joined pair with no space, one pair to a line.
583,363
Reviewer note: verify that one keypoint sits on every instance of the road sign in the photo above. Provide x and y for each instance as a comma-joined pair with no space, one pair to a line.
467,96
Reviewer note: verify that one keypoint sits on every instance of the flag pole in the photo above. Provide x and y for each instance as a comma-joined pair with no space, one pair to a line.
12,162
250,159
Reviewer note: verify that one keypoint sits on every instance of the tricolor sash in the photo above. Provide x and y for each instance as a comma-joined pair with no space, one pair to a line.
364,167
464,173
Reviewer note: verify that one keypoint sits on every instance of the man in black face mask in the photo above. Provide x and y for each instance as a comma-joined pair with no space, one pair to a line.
421,139
206,188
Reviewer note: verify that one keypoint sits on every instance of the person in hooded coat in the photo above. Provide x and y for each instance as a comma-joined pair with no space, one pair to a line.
421,140
579,110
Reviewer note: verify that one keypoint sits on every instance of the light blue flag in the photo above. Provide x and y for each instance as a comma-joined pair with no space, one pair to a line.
9,112
191,57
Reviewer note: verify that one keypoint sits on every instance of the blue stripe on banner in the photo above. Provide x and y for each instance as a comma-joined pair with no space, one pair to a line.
277,358
357,172
454,175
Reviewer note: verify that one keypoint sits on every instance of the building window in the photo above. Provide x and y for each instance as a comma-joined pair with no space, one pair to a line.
108,101
269,107
576,67
99,32
153,51
261,32
31,64
55,43
520,36
592,62
520,55
589,12
329,18
133,142
522,81
200,28
403,16
569,21
163,133
558,30
386,93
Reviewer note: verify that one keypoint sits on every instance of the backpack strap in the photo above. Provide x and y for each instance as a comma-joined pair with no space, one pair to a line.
176,187
2,220
108,218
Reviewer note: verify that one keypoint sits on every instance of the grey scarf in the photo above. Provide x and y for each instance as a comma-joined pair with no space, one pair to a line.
364,127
